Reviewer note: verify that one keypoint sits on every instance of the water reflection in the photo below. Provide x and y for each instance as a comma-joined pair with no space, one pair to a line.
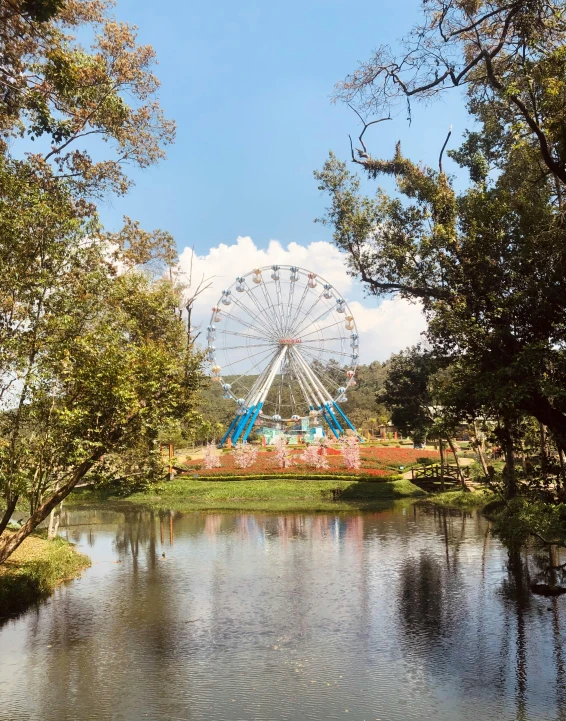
409,613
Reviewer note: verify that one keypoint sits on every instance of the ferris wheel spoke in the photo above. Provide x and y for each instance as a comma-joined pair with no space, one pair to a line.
319,330
255,391
253,345
328,351
294,406
311,381
279,391
313,322
255,366
251,296
298,326
257,319
310,399
314,340
270,306
260,319
241,360
328,381
298,309
243,322
289,307
240,335
281,315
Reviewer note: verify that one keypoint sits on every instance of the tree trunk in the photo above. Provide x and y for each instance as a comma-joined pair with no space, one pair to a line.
8,514
457,461
543,456
509,451
9,545
481,455
441,451
561,481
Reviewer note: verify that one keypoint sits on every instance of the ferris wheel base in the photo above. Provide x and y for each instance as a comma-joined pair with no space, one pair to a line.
242,425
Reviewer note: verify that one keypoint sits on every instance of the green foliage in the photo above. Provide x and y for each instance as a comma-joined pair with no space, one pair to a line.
521,518
93,353
487,263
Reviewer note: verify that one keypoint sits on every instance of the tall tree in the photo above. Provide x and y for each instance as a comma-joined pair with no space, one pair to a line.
506,53
93,353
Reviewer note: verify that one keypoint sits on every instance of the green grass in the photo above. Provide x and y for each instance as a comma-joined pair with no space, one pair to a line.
35,569
462,499
273,494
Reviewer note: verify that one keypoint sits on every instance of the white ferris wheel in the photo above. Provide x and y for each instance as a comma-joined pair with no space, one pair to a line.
283,345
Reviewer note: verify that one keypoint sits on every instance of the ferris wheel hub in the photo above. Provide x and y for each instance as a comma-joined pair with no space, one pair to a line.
289,341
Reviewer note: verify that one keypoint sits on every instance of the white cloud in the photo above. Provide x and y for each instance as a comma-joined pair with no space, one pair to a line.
384,329
387,328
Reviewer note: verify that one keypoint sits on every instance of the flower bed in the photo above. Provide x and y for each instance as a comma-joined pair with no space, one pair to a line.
375,462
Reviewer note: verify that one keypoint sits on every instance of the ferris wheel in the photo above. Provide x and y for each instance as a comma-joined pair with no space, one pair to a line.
283,345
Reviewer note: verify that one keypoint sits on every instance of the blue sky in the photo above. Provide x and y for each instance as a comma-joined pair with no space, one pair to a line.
249,85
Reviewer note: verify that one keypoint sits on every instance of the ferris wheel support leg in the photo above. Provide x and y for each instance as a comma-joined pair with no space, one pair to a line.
230,429
347,421
240,427
329,422
331,414
251,423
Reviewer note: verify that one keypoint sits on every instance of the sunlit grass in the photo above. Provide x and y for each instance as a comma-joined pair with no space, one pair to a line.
463,499
272,494
34,569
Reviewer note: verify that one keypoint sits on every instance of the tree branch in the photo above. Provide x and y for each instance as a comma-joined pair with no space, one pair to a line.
442,151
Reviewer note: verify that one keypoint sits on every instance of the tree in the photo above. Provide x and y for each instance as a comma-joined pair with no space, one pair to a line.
94,372
487,267
93,353
508,54
350,448
488,264
62,96
407,393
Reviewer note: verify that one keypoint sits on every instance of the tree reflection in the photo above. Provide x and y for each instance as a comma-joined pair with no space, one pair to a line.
421,597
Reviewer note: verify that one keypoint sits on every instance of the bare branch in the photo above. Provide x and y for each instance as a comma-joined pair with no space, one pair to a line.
443,148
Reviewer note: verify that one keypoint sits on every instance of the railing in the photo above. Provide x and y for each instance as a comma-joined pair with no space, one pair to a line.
433,476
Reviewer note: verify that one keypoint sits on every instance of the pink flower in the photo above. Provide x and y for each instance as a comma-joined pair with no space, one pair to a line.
244,456
351,452
211,457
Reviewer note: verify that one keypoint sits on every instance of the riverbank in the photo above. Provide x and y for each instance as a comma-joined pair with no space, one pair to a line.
34,570
274,494
463,499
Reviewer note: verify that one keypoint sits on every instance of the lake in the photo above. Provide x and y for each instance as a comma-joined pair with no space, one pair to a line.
410,613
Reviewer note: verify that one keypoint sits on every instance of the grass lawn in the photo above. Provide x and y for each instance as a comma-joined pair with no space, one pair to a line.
462,499
34,569
273,494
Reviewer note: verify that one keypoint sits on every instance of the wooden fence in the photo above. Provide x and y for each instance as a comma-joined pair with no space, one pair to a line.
438,478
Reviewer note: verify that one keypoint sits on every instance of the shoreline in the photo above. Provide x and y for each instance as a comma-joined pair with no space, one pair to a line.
34,571
273,494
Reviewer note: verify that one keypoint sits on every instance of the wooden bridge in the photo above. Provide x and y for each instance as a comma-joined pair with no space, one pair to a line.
434,477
